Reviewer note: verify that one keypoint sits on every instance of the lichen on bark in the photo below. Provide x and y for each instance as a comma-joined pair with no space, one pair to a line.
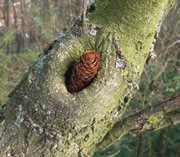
43,119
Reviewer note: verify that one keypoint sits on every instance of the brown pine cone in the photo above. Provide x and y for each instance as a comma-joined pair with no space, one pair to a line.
83,71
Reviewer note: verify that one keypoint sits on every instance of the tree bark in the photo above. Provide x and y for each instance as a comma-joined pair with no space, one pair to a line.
42,118
7,13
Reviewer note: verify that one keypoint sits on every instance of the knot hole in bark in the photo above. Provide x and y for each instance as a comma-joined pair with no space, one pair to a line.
81,73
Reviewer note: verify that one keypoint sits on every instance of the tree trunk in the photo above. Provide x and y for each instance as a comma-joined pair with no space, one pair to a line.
22,36
7,10
42,118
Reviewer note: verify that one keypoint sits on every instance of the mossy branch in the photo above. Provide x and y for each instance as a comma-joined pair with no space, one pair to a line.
162,115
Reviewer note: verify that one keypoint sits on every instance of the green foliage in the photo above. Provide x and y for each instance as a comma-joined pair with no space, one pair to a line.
4,69
12,68
161,143
153,69
8,36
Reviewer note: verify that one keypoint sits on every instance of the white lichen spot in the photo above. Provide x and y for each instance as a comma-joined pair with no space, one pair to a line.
21,120
34,130
154,40
61,57
131,86
8,154
35,125
40,130
136,86
43,106
115,115
70,47
70,136
110,37
137,69
109,50
93,32
152,47
19,116
153,55
52,51
36,107
22,155
48,112
109,83
134,134
20,108
158,26
25,97
119,63
61,45
40,62
116,84
59,36
86,19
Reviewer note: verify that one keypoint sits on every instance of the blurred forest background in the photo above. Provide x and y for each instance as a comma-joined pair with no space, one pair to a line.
27,27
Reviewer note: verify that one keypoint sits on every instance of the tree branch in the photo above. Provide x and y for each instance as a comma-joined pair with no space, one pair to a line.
164,114
84,7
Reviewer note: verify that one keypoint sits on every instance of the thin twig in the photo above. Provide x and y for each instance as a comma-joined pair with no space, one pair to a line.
84,7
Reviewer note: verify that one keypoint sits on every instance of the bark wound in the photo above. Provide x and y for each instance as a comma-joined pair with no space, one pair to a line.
121,62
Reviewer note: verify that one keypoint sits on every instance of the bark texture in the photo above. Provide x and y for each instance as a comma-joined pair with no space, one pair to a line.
42,118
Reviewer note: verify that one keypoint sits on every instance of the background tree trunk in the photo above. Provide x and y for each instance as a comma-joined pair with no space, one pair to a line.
7,13
42,118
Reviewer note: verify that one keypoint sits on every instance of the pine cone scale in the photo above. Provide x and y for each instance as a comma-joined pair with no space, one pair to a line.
84,71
